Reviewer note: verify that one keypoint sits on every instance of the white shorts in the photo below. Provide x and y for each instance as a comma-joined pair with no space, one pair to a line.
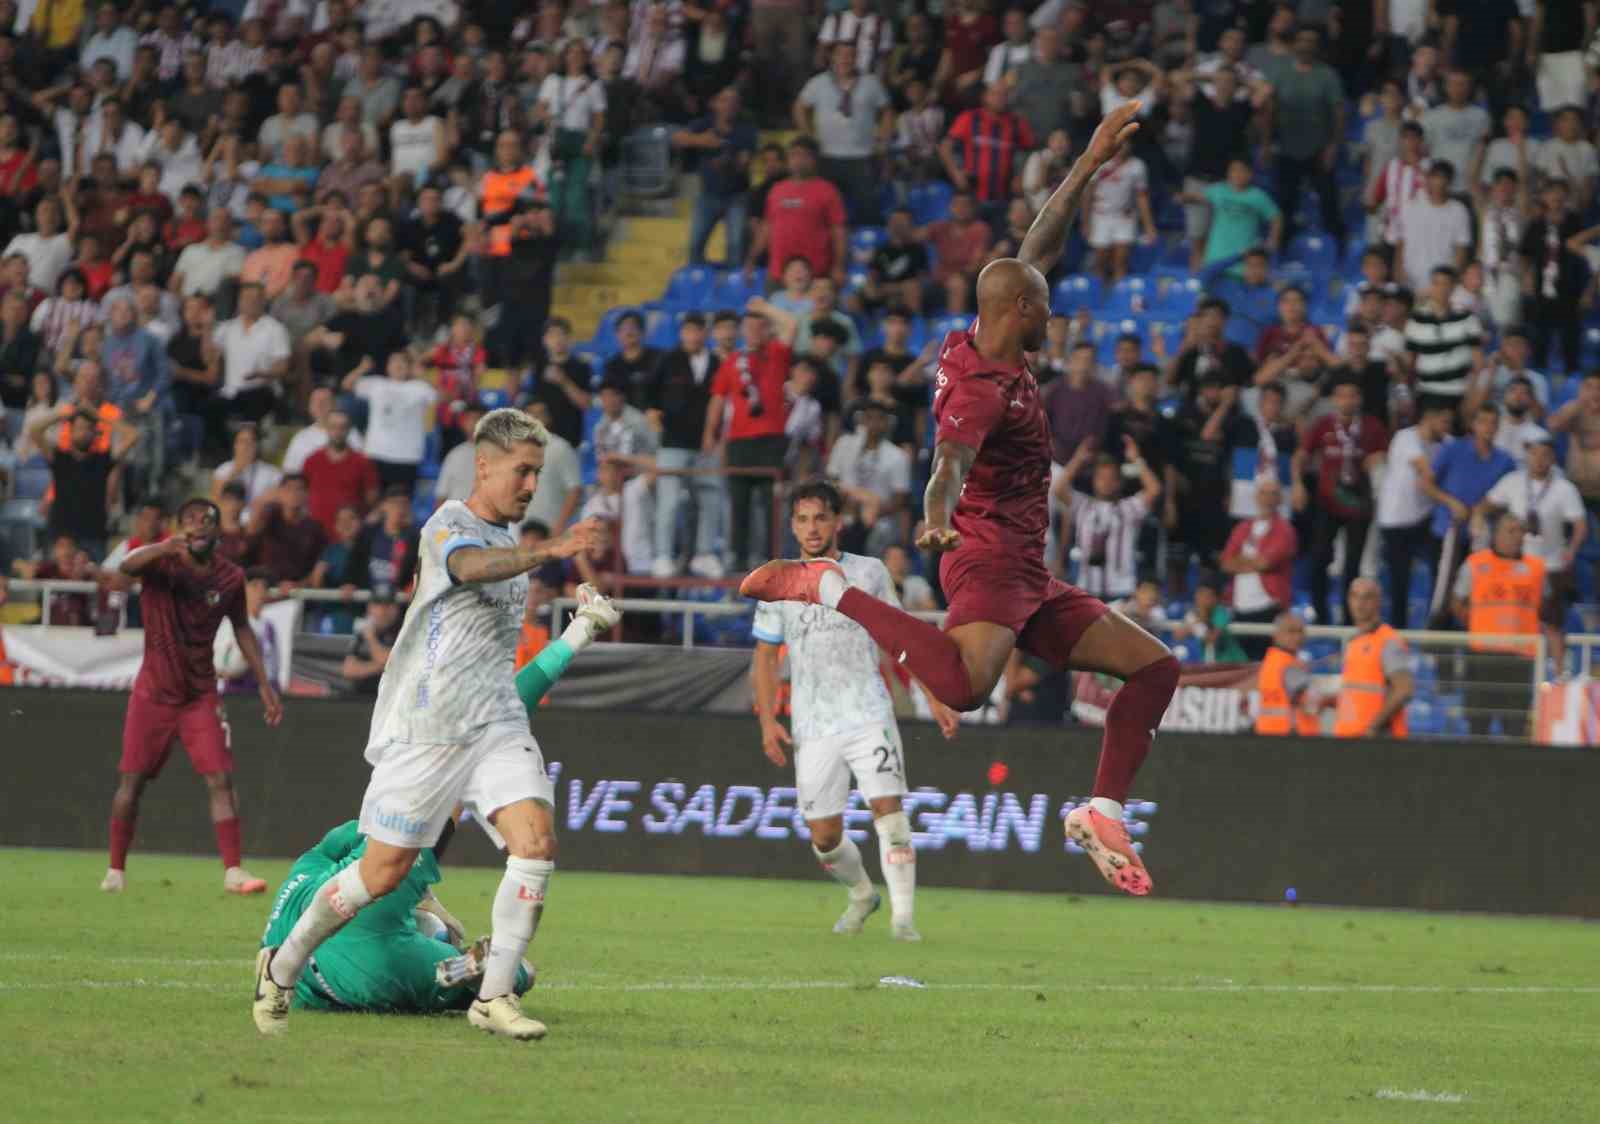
1106,231
415,787
822,769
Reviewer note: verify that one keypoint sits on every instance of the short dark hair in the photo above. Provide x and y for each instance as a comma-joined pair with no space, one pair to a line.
294,478
1275,387
806,143
693,318
1442,168
200,501
831,330
820,490
537,526
1216,304
560,323
1448,270
1410,127
725,316
631,314
1131,337
1144,369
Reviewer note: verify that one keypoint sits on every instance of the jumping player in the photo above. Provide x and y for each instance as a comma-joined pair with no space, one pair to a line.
449,728
986,508
843,720
187,592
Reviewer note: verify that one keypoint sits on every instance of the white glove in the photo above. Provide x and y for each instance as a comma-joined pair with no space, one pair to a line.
596,615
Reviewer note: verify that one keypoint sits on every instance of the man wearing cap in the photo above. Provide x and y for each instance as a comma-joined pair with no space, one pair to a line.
1555,524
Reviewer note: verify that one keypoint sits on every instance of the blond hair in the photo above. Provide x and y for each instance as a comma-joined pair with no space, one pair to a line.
507,427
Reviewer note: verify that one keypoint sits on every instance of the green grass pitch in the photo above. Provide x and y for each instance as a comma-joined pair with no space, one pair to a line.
719,999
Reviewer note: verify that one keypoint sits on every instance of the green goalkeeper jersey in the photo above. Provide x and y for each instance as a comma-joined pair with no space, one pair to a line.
379,961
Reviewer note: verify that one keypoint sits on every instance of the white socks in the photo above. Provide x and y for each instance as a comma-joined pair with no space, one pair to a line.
844,863
518,905
1107,807
831,588
899,860
340,898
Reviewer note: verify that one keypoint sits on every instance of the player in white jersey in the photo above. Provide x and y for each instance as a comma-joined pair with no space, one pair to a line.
843,719
450,728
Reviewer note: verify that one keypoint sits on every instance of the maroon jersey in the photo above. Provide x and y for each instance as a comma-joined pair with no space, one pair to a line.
995,409
182,608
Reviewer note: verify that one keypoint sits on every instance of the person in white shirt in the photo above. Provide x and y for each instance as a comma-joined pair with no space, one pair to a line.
255,359
1405,509
1435,229
315,435
842,714
1500,227
1007,56
204,266
1129,80
111,40
49,248
399,407
870,32
1105,523
290,120
1511,363
1556,522
256,476
1519,425
110,131
417,140
874,474
1117,208
1569,156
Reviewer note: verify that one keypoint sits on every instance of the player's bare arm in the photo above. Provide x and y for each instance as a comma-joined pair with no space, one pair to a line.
764,679
250,649
137,561
471,565
1047,237
951,463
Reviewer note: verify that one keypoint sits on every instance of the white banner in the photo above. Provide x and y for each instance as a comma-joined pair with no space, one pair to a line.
57,656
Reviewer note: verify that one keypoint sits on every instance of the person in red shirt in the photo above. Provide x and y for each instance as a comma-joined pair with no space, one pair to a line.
1293,343
458,363
752,380
288,541
187,591
804,218
961,244
991,139
1347,445
96,268
19,174
188,225
1260,558
338,476
969,32
987,508
325,243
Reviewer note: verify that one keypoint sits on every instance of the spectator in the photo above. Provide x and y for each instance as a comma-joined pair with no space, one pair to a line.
58,319
1443,344
19,351
42,402
913,590
1195,492
288,541
625,443
1206,624
561,384
1512,152
80,477
750,386
194,362
1380,144
1293,351
233,672
1242,216
1347,446
1499,592
399,407
1555,526
139,380
724,146
1144,608
560,489
1405,506
1400,180
634,365
910,368
1117,209
255,360
898,269
1356,361
656,60
1434,229
272,265
1518,428
1457,131
207,266
290,120
338,474
1008,55
678,398
370,645
67,562
1206,348
1570,157
313,437
1261,444
993,141
874,475
1139,416
1463,472
823,296
384,558
1309,125
1046,168
1044,87
352,168
111,40
1580,421
849,114
48,248
1078,406
1221,138
1500,225
359,339
1252,300
1105,523
459,470
803,217
246,468
1554,278
961,245
1260,556
918,131
1555,49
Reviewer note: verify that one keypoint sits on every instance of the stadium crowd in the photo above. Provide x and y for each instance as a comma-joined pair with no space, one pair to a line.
270,251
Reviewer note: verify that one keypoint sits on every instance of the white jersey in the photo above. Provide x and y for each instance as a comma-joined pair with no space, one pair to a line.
450,672
1116,188
836,686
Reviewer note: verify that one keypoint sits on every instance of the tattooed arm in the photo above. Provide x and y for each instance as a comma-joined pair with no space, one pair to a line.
1046,238
951,463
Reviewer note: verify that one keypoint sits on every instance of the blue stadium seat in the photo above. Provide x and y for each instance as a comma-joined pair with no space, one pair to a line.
1317,252
1143,258
1178,299
735,289
1129,297
929,202
864,240
662,332
1077,291
940,325
691,287
494,399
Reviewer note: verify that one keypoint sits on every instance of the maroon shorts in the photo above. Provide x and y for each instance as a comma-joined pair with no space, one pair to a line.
150,727
1048,615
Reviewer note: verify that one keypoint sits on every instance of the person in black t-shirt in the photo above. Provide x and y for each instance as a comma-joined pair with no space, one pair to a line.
635,365
365,335
1196,496
80,478
1206,350
1559,275
560,381
384,557
899,268
910,367
372,642
434,252
678,398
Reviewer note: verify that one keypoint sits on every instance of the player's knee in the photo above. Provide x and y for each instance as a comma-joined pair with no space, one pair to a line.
539,845
219,783
826,835
1162,674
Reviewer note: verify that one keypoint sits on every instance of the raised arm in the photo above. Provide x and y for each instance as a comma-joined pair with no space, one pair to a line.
137,561
471,565
1046,238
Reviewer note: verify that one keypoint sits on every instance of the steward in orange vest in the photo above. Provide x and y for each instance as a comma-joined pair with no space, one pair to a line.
1375,682
1498,592
1283,681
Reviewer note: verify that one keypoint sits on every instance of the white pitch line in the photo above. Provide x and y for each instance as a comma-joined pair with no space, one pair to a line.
731,985
1420,1095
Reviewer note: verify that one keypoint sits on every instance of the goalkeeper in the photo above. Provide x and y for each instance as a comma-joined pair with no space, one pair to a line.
404,953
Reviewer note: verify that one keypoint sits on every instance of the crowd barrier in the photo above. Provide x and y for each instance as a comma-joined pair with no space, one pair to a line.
1458,827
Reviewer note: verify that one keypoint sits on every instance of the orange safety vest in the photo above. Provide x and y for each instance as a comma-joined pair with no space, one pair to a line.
1362,691
1504,600
500,193
1279,713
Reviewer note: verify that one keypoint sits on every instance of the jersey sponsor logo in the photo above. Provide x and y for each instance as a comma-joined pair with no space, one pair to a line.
955,421
1017,403
529,895
213,598
430,652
